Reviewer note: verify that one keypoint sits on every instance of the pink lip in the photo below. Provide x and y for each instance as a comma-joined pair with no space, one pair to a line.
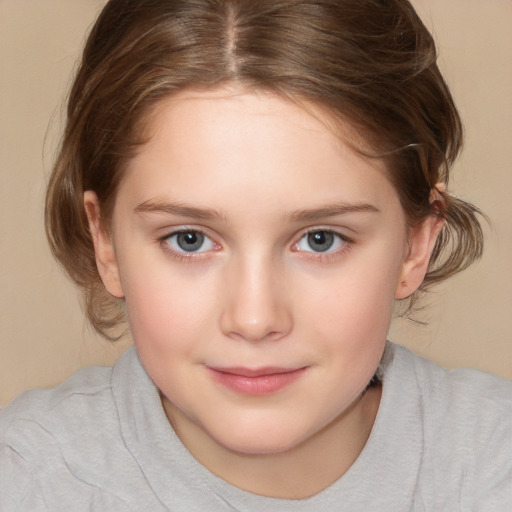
262,381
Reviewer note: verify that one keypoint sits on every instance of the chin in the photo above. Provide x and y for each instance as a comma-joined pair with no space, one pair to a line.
260,441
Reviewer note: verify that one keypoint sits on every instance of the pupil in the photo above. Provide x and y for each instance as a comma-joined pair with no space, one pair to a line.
320,241
190,241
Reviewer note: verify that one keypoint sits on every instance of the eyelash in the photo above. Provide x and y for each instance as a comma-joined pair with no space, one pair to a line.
325,256
184,256
317,256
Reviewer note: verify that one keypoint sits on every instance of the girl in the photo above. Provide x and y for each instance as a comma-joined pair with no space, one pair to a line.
252,185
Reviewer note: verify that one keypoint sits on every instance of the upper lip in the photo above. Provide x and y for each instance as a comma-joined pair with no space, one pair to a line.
255,372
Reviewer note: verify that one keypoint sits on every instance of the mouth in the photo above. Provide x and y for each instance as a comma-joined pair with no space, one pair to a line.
256,382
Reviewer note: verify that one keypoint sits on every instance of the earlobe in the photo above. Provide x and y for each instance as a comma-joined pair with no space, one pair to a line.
420,245
106,260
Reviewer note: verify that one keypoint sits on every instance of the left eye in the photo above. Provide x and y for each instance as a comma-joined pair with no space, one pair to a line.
320,241
190,241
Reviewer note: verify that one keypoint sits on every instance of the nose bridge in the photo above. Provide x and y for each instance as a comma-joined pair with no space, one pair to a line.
255,306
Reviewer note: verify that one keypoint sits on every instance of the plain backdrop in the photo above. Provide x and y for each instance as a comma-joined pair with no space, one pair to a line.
43,336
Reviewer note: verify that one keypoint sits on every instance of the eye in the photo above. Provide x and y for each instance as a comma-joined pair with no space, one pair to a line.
189,241
320,241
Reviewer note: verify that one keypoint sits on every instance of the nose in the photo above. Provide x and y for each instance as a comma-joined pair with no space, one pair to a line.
255,305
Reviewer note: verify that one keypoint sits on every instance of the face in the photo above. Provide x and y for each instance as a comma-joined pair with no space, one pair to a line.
259,257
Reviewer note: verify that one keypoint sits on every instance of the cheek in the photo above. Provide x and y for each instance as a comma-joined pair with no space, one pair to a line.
352,312
363,288
166,309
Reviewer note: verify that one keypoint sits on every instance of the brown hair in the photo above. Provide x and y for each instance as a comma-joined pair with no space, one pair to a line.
369,62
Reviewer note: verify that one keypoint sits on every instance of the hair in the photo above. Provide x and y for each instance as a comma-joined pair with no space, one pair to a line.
368,63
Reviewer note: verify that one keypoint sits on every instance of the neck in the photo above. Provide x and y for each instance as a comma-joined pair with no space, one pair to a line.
297,473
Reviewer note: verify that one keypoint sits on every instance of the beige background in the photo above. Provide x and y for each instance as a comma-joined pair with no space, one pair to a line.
43,337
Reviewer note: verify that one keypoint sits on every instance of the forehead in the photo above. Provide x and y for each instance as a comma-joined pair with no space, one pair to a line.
254,143
254,101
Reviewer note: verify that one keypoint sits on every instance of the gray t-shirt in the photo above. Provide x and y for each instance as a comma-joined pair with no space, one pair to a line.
442,441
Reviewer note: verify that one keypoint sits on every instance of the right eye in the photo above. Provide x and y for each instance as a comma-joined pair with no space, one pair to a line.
189,241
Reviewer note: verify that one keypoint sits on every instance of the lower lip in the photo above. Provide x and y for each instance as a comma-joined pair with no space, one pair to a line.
259,385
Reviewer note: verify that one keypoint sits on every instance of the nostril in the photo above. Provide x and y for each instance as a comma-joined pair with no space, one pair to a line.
272,326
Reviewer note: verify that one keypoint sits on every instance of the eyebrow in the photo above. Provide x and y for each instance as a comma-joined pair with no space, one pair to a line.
313,214
332,211
180,209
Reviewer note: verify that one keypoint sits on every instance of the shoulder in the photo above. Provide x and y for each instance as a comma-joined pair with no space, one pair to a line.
42,424
74,400
466,423
456,394
53,440
83,405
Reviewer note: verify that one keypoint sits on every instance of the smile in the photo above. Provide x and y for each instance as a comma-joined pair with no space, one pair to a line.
259,382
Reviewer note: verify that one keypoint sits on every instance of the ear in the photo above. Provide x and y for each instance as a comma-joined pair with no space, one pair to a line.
419,248
106,260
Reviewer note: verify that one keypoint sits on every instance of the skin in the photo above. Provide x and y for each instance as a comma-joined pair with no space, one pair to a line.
255,173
